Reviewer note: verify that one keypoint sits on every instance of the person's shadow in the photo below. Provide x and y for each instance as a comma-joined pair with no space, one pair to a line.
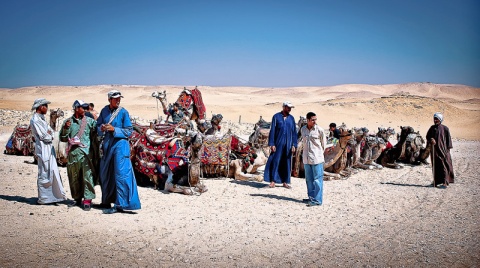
278,197
405,184
21,199
253,184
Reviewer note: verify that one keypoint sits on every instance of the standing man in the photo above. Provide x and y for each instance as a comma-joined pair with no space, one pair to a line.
117,179
314,143
282,140
79,131
49,182
438,136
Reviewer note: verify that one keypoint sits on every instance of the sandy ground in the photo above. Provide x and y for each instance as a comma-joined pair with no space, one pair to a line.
374,218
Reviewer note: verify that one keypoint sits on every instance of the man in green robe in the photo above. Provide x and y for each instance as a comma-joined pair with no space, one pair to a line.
79,131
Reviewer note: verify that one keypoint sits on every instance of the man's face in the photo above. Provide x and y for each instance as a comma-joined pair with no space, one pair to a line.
44,109
312,121
436,121
287,109
114,102
79,111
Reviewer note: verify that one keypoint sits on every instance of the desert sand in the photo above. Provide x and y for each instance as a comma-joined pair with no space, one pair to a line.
380,218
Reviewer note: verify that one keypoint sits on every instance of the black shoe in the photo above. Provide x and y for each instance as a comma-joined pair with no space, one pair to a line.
313,203
110,211
305,200
102,205
74,203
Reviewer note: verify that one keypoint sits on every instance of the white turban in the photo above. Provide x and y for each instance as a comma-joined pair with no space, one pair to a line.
39,102
439,116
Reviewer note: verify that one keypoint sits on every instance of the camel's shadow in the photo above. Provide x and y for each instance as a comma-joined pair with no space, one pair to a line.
21,199
278,197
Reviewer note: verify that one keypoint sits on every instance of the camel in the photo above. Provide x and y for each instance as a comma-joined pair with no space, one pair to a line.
215,124
359,142
374,146
385,133
247,161
259,138
55,115
413,151
189,182
192,106
335,165
389,156
21,142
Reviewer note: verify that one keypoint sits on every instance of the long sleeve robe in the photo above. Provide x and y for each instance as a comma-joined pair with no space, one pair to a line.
442,160
81,165
49,182
117,179
283,135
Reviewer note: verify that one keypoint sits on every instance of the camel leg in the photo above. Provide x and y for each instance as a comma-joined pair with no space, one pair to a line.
332,175
236,172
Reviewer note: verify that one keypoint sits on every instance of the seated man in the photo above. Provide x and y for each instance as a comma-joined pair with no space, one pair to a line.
175,112
334,131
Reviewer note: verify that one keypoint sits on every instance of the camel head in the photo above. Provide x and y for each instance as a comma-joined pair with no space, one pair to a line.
56,113
385,133
345,133
160,95
405,130
301,122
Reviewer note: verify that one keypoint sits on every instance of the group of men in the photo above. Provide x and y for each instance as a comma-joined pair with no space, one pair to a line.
283,143
114,171
88,139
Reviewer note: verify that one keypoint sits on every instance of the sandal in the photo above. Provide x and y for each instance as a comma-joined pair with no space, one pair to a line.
288,186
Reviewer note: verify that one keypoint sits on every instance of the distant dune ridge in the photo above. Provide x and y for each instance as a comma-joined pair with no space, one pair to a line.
357,105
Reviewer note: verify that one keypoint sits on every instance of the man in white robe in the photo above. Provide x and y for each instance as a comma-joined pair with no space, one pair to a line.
50,188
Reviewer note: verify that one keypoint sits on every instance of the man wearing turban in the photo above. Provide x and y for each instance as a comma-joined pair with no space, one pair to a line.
438,136
49,182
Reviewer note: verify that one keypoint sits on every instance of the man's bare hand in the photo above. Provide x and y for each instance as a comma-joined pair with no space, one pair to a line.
273,148
67,124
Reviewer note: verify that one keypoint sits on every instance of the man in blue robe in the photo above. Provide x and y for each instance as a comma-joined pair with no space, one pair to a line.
117,179
283,142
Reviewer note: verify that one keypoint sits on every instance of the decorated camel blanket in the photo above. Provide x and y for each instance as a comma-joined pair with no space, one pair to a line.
21,141
151,152
214,155
242,151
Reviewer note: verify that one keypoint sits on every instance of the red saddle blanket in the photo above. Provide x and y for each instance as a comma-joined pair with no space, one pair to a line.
149,157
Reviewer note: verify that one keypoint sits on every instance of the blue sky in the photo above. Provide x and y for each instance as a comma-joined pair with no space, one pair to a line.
239,43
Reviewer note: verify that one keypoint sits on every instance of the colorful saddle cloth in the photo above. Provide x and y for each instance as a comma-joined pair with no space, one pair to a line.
149,156
21,142
214,155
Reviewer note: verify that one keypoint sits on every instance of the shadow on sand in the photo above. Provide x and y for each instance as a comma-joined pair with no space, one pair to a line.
21,199
253,184
407,184
278,197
